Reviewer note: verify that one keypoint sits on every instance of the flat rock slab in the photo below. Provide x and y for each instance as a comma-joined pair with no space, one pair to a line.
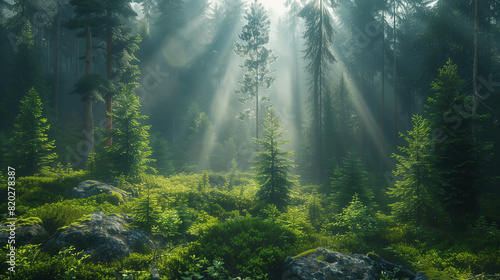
90,188
105,238
323,264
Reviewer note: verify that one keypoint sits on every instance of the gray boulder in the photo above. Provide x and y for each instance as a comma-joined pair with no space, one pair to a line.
105,238
322,264
24,234
90,188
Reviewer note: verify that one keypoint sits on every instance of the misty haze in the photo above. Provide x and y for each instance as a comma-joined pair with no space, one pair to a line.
249,139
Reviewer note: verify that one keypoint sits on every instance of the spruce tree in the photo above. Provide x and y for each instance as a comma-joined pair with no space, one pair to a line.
160,152
461,157
130,153
258,57
273,164
23,71
30,148
416,191
146,211
318,54
349,179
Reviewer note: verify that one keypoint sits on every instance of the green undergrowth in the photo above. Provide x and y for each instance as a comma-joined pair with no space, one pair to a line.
227,234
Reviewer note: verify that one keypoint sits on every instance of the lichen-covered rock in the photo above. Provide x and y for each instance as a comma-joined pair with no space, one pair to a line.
105,238
323,264
24,234
90,188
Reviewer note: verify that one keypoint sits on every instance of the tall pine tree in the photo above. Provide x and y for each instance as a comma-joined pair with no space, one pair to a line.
86,17
461,157
257,57
30,148
273,164
319,38
116,11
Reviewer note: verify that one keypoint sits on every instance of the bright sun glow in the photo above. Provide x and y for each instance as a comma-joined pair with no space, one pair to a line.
274,7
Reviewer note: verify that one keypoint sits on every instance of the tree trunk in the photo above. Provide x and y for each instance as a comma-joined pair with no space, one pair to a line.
382,146
362,115
57,67
109,72
395,97
319,141
474,69
257,105
296,85
88,118
88,126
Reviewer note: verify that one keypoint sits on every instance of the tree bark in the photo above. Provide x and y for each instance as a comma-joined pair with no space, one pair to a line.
362,115
57,67
109,72
382,146
395,96
88,117
474,69
257,104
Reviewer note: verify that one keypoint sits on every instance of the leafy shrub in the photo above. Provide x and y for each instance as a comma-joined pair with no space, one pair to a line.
349,243
33,264
168,223
201,223
249,247
178,260
33,191
203,269
137,262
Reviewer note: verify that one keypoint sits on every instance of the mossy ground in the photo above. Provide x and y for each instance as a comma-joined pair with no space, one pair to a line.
191,215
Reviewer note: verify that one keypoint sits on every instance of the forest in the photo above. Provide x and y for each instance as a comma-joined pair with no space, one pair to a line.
215,139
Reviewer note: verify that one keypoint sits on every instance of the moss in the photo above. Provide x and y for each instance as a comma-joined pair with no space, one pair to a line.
321,258
86,217
28,221
373,256
116,198
435,274
305,253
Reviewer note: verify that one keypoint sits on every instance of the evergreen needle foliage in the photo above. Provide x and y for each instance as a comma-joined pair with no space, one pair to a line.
416,191
257,57
147,211
349,179
273,164
461,157
30,149
319,39
130,152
